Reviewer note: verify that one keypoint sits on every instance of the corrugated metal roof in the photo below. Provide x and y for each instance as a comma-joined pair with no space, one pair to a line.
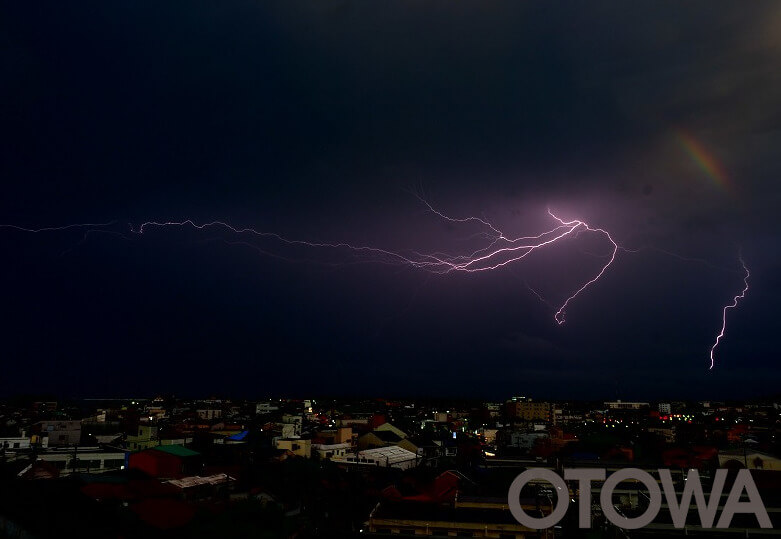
194,481
390,454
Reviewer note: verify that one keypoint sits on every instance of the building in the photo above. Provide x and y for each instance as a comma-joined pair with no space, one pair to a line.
45,406
620,405
156,411
753,460
144,438
167,461
489,435
288,430
384,438
333,443
494,409
60,433
15,443
196,487
525,440
83,459
332,451
529,410
336,436
387,457
741,524
465,517
208,414
265,408
296,420
301,447
668,433
441,417
665,408
355,422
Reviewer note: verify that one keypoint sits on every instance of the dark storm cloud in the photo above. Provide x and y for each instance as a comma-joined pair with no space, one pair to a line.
315,119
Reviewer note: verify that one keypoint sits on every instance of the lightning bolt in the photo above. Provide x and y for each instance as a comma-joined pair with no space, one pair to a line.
500,250
559,316
57,228
91,228
732,305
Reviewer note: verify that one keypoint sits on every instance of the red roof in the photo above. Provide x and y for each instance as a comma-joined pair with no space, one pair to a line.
442,489
688,458
162,461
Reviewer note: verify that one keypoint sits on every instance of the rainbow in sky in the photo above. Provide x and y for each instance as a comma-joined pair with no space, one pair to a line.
705,160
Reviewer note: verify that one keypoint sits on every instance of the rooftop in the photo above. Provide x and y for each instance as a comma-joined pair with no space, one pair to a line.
178,450
391,454
194,481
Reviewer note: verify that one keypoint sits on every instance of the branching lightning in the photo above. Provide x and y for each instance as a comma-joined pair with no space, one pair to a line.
732,305
499,251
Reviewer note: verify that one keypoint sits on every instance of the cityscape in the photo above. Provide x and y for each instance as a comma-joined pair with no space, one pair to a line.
174,467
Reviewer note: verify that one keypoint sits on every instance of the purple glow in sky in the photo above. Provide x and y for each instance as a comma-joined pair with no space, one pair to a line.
500,250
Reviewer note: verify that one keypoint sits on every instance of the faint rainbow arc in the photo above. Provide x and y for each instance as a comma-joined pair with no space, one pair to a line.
713,169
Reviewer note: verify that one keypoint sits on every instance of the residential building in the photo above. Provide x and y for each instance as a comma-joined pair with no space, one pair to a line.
15,443
83,459
385,438
209,413
265,408
60,433
143,438
333,443
301,447
529,410
296,420
620,405
332,451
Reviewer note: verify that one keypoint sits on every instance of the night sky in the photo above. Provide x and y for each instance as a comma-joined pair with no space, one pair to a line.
324,121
